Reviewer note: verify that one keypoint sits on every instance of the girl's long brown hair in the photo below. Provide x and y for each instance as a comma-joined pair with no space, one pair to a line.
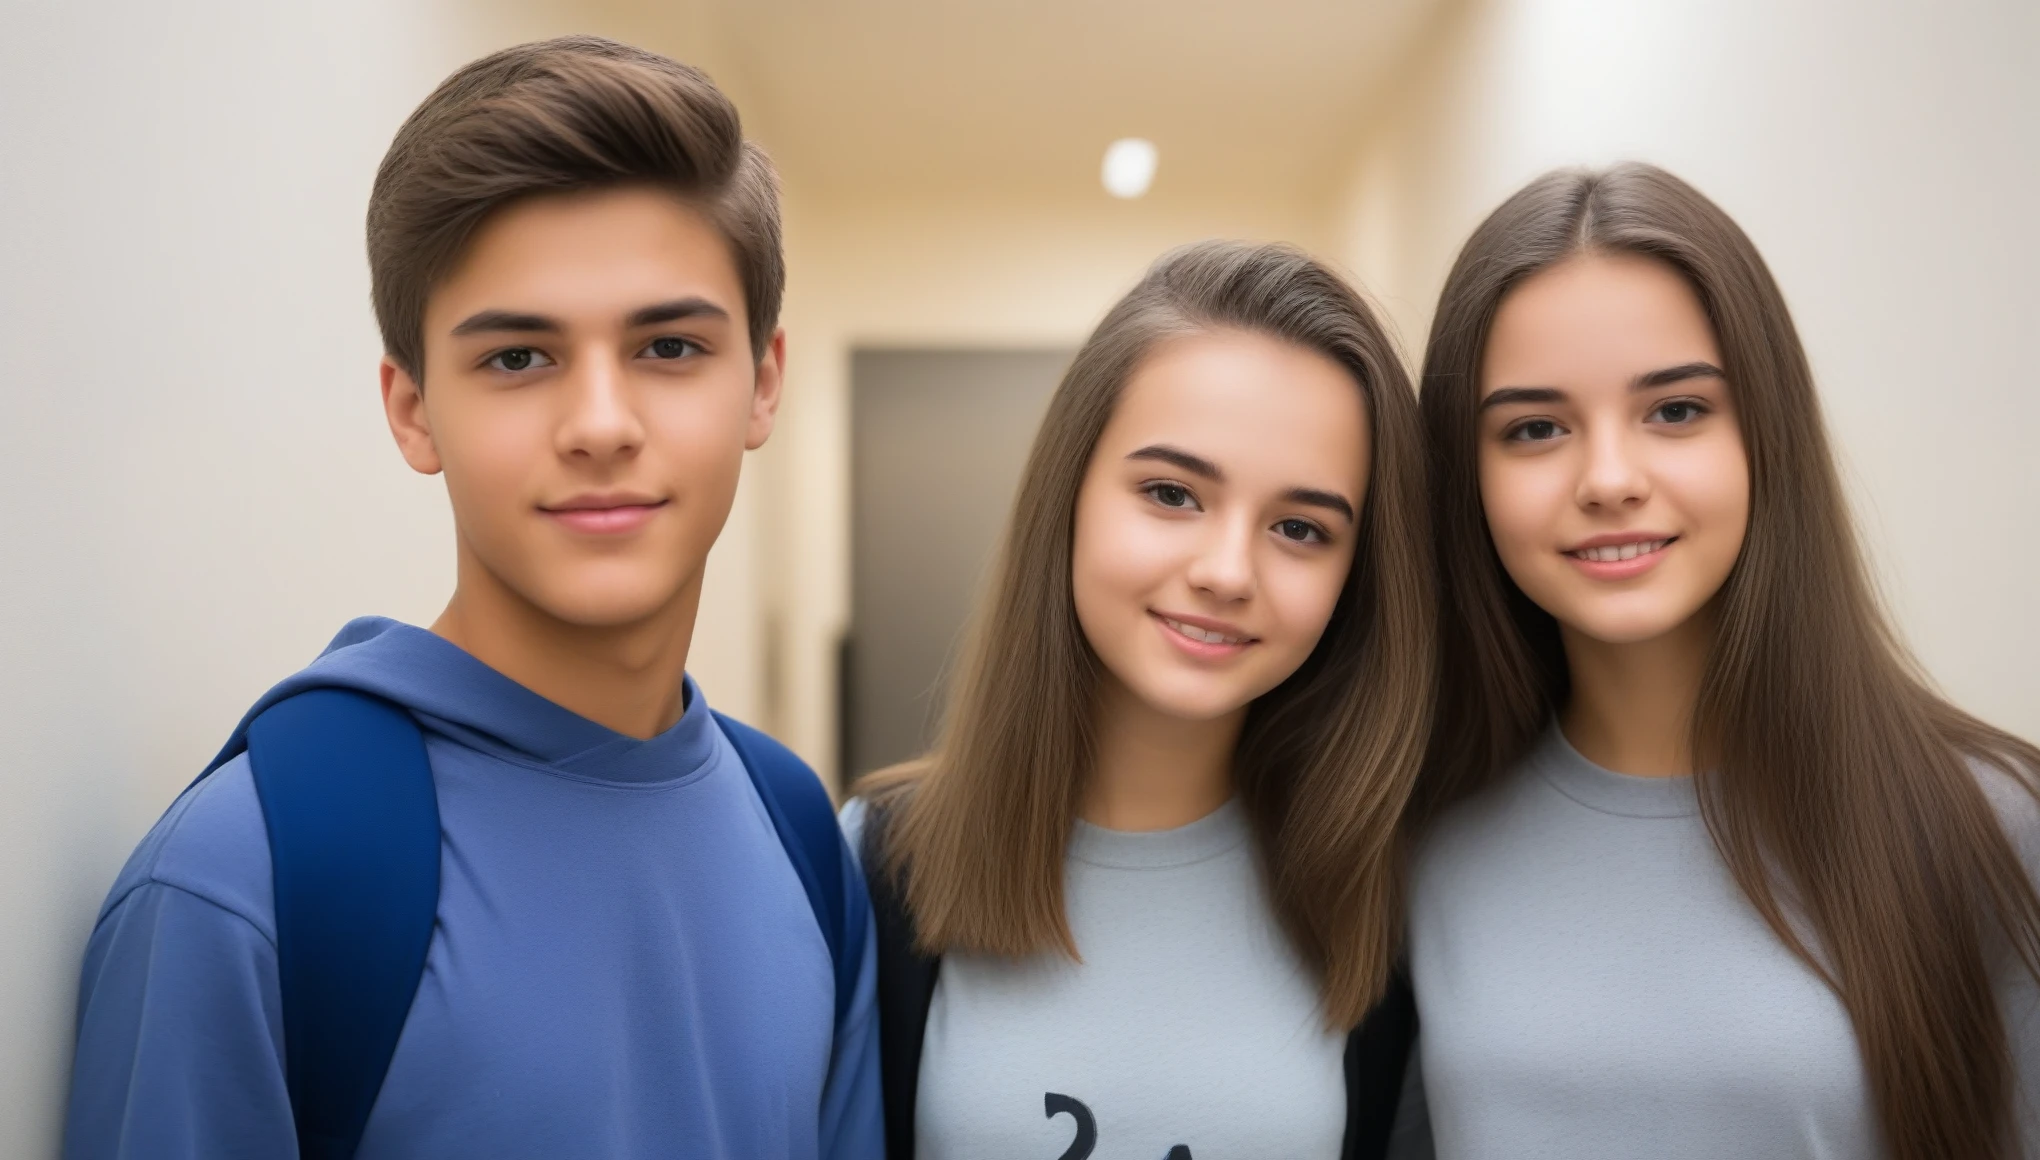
1841,790
1326,761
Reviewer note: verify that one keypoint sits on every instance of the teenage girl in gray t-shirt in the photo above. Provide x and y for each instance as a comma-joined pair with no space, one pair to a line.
1758,891
1140,895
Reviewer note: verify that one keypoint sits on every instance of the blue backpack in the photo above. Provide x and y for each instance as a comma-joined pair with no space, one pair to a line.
353,822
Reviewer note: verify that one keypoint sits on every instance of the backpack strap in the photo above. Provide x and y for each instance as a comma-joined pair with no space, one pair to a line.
805,819
1377,1053
906,988
353,822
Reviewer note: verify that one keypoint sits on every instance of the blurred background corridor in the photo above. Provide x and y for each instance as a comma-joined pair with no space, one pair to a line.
199,487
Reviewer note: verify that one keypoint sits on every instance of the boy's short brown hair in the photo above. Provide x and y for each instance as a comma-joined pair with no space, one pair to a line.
554,116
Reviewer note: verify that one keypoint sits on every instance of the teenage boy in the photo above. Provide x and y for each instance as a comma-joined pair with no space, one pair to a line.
577,272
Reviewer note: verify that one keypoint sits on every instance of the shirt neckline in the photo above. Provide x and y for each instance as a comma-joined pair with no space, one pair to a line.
1608,792
487,711
1216,833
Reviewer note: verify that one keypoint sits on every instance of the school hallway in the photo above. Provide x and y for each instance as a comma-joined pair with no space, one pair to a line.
199,486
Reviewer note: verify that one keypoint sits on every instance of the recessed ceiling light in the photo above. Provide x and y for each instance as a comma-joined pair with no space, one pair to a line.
1129,166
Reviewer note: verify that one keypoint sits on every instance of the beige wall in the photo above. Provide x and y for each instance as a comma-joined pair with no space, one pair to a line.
978,269
1884,156
195,486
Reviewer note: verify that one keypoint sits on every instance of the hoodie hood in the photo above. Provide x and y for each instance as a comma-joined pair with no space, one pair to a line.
451,693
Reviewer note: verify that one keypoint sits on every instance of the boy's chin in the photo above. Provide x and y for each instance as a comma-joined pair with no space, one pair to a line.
605,606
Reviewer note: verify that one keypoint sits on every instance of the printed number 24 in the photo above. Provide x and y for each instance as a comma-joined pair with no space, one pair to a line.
1057,1104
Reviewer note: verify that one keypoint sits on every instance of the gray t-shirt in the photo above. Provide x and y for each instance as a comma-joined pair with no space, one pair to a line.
1190,1030
1591,983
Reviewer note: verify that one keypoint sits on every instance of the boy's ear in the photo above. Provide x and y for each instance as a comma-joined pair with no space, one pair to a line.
404,406
765,391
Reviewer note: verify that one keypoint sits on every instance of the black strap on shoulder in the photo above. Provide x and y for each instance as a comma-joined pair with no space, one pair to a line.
353,821
1377,1052
906,986
805,820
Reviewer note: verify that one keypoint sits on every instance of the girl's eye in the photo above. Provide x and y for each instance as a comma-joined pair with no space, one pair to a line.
517,358
1171,495
1301,531
1679,411
1534,431
670,348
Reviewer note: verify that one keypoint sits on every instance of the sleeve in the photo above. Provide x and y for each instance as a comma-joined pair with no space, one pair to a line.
853,1119
180,1040
2017,806
2022,1025
2021,994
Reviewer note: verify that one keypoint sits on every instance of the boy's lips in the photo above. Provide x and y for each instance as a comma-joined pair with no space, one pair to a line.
604,514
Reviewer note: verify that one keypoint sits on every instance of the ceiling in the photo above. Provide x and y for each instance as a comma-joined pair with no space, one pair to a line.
876,95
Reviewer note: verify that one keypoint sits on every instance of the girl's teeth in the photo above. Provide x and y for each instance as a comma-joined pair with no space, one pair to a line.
1610,553
1200,634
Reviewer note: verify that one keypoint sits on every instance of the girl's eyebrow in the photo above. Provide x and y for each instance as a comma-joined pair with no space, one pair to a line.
1331,501
1648,380
1678,374
1176,456
1503,396
1200,466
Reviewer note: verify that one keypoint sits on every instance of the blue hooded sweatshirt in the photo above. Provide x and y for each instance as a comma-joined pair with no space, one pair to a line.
625,965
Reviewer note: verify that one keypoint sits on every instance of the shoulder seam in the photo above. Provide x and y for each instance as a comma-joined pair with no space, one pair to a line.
172,821
114,905
173,818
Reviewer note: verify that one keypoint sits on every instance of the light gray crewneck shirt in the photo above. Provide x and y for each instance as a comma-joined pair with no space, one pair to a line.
1591,983
1190,1030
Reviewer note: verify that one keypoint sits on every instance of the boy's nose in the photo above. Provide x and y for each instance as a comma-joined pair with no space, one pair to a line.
601,418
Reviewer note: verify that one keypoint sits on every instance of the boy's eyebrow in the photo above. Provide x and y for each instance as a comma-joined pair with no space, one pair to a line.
501,320
674,311
1331,501
1194,464
494,320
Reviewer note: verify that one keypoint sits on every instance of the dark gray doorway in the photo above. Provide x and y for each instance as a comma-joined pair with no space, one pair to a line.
937,442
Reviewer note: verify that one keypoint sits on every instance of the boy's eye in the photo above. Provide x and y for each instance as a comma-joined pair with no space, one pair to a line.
517,358
1171,495
670,348
1534,431
1302,531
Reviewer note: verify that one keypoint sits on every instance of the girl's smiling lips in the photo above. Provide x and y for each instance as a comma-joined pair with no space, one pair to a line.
1202,637
604,513
1619,555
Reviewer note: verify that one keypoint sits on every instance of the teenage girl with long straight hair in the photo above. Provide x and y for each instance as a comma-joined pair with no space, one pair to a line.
1706,868
1143,898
